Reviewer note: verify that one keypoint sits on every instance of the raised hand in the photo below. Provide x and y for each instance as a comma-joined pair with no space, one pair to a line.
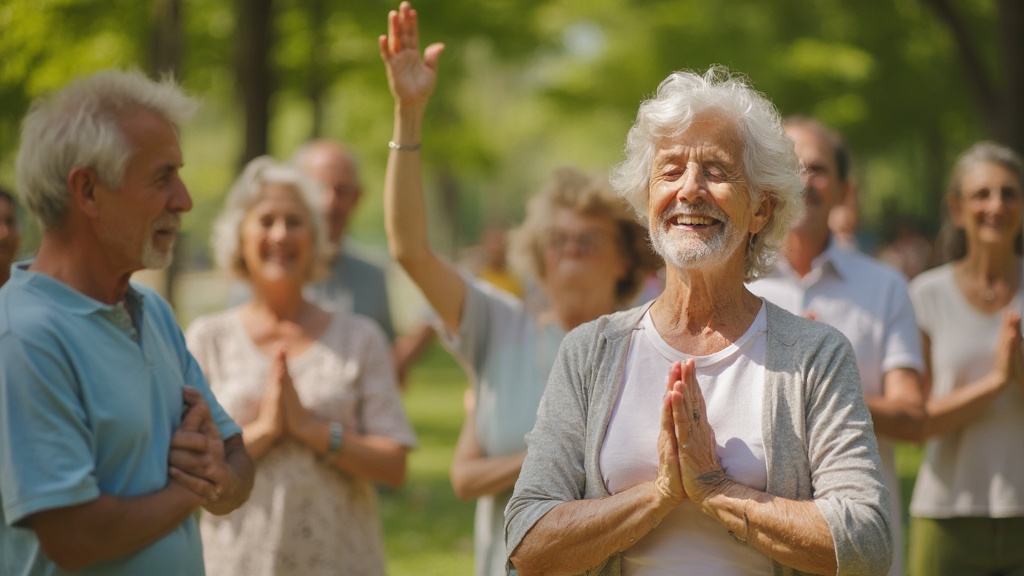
196,456
411,78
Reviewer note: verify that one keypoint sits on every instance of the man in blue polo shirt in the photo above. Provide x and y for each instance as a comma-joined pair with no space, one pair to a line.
110,438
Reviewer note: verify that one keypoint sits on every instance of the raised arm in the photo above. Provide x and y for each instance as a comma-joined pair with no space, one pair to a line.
412,79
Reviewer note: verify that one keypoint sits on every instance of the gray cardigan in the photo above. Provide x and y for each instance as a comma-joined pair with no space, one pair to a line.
819,440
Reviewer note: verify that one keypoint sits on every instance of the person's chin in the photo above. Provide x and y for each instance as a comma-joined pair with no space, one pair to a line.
156,259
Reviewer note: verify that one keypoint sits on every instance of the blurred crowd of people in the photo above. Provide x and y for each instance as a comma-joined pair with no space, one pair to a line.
681,365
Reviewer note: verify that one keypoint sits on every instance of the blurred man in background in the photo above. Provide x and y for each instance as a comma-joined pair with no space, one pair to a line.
866,300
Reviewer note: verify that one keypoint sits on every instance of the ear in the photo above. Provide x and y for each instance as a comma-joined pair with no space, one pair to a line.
763,213
82,183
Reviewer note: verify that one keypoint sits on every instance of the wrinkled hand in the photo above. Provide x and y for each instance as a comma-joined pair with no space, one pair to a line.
411,78
196,455
669,481
702,474
1009,360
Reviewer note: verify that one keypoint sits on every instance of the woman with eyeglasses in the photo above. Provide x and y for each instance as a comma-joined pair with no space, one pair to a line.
579,243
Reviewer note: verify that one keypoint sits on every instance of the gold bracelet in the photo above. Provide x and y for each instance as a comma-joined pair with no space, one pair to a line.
403,147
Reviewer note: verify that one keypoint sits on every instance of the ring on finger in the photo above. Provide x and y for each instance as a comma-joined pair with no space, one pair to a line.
696,416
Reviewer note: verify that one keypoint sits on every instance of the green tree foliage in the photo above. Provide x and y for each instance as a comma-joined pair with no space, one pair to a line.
530,84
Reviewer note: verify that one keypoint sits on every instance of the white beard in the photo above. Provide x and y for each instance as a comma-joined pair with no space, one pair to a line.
154,258
694,251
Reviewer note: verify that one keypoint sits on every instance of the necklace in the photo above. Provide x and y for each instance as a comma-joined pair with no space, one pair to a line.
990,295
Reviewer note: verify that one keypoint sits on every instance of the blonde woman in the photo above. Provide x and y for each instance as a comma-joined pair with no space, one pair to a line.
314,392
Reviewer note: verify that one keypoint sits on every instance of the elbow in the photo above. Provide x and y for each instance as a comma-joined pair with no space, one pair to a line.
522,564
915,426
397,474
67,557
461,486
395,477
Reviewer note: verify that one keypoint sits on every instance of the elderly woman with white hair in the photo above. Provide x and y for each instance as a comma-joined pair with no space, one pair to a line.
710,432
314,391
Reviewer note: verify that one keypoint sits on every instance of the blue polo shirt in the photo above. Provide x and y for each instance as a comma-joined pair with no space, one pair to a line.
89,401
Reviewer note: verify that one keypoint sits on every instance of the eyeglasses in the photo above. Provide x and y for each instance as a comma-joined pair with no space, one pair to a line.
588,243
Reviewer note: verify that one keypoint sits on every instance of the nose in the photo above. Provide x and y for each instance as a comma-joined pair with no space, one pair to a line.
278,230
694,186
181,200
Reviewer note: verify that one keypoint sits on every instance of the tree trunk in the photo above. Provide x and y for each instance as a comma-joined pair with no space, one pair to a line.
167,39
999,99
166,46
1010,129
253,73
317,83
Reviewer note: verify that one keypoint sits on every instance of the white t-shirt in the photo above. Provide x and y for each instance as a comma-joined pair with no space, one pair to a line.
732,382
979,469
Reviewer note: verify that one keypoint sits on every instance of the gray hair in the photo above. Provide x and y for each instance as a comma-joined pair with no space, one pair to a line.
572,189
952,241
246,192
769,162
78,127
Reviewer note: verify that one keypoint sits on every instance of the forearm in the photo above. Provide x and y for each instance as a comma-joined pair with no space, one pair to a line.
111,527
405,220
241,471
374,458
791,532
580,534
259,439
961,406
473,477
896,419
405,223
899,413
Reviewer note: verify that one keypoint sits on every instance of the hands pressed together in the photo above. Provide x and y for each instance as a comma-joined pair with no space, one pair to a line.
688,464
281,412
1009,362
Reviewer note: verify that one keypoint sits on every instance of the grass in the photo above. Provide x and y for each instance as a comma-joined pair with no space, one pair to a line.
427,530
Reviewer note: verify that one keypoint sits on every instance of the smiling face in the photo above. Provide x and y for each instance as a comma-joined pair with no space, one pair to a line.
277,237
700,212
139,220
989,205
581,252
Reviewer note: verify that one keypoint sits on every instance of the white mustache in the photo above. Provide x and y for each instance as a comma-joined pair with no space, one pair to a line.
707,210
168,221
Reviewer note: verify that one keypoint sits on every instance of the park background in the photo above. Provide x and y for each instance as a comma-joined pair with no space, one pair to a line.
525,85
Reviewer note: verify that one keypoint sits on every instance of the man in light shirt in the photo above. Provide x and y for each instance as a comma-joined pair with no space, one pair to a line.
866,300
